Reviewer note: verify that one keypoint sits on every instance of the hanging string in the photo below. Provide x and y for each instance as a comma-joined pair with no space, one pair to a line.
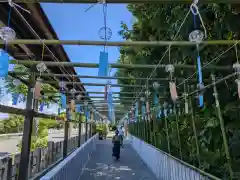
105,25
195,12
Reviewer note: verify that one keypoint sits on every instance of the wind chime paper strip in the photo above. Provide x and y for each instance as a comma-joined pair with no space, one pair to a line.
4,64
173,91
159,112
15,97
155,98
78,108
200,80
110,99
147,107
186,107
59,111
105,92
143,111
103,64
238,85
41,107
165,112
63,101
37,90
72,105
136,110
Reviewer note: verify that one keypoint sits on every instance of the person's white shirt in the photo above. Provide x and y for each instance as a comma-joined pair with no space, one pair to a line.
120,132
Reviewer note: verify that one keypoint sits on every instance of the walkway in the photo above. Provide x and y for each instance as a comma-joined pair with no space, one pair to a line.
102,166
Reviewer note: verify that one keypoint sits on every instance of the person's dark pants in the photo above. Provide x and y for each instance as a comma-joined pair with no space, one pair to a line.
116,149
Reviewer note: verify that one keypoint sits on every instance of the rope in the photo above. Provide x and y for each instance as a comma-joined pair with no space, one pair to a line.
206,65
164,54
37,35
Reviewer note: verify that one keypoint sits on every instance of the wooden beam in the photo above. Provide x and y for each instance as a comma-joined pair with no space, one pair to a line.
130,1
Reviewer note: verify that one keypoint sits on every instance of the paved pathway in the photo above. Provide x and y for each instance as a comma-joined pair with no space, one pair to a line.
102,166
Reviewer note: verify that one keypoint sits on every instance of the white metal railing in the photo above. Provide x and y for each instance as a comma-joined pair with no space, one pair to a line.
165,166
73,165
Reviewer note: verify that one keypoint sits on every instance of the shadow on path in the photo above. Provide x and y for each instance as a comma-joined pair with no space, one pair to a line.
102,166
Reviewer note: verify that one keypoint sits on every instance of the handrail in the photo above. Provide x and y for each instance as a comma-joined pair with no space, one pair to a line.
182,162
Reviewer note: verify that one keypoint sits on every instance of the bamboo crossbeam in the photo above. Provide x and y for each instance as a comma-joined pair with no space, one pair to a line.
117,43
96,84
90,92
101,77
115,65
23,112
129,1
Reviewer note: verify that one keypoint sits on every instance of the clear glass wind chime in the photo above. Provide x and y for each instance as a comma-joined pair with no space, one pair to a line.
197,36
172,85
41,67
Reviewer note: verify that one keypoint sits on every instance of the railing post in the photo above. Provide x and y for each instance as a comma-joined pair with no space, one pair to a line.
65,141
27,131
9,168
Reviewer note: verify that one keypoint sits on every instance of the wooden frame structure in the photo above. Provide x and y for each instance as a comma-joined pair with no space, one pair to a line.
64,68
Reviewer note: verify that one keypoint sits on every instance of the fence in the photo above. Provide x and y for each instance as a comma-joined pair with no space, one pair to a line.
40,159
73,165
165,166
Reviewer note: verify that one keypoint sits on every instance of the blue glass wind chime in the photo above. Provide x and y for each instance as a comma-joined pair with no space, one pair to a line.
7,34
63,98
105,34
197,36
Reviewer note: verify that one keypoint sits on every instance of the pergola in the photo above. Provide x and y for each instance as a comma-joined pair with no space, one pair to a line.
62,70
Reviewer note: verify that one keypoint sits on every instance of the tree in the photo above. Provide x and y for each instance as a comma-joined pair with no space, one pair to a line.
161,22
23,89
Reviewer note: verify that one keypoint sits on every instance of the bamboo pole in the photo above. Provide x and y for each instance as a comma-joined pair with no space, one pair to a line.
99,77
130,1
117,43
95,84
90,92
116,65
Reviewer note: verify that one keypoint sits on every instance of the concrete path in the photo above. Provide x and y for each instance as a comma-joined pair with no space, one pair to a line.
102,166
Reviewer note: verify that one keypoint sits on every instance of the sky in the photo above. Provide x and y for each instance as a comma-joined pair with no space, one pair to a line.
71,22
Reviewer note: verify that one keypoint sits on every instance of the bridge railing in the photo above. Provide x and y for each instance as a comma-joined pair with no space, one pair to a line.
40,159
73,165
165,166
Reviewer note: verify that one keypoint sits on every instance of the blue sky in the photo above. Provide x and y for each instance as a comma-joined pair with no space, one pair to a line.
71,22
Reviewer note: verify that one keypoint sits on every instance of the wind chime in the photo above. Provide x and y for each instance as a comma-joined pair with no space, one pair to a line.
143,109
63,98
72,102
236,67
197,36
136,110
15,96
157,107
41,67
147,94
172,85
7,34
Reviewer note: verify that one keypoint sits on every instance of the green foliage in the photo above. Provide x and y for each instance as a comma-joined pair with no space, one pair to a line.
22,88
161,22
101,128
14,124
210,141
